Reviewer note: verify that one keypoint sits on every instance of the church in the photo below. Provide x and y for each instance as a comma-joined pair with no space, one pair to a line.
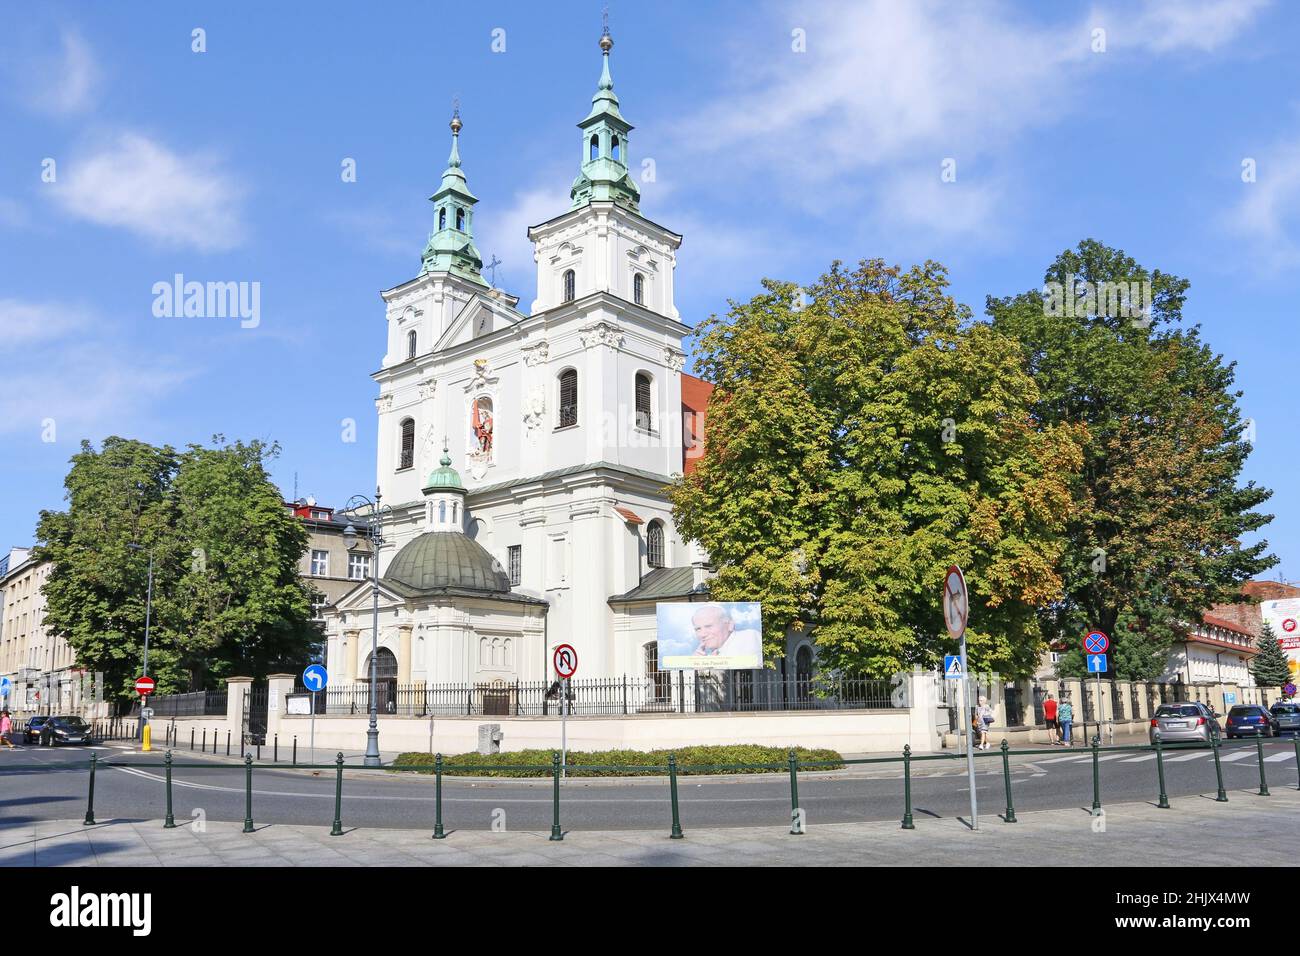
525,453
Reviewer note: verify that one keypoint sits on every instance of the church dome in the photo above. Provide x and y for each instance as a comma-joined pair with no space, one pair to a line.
447,559
443,478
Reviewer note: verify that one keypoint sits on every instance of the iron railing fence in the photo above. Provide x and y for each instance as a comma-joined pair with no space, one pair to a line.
738,691
199,703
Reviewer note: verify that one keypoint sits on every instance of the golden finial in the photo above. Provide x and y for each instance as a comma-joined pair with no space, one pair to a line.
606,41
456,124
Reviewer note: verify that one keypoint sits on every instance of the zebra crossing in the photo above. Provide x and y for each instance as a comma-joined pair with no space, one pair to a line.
1231,756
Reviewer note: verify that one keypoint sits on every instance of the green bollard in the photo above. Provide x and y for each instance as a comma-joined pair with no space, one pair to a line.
90,799
1163,802
337,829
1263,784
907,788
796,824
676,833
438,833
170,822
556,832
248,793
1096,778
1222,796
1010,816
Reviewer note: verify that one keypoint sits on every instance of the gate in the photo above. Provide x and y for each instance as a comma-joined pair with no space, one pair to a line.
256,702
1013,697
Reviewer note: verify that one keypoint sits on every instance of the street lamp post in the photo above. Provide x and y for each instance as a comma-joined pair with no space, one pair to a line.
373,526
148,614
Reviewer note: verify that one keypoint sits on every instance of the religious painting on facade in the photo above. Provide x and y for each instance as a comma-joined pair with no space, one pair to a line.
722,636
482,423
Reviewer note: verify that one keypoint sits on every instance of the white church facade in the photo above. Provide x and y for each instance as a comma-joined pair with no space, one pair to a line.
525,454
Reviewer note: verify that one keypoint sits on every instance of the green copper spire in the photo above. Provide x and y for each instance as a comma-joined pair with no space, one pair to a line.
444,478
451,247
604,176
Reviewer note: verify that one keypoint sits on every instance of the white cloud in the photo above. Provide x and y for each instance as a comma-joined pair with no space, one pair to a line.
1163,26
62,361
1268,209
139,184
505,234
66,83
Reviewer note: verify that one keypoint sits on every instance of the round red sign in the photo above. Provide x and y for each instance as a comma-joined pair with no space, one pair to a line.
144,685
1288,625
566,660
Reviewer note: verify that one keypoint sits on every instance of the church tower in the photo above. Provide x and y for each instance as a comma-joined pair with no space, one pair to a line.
451,248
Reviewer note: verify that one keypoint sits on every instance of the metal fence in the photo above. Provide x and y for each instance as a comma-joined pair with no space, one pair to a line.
733,692
199,703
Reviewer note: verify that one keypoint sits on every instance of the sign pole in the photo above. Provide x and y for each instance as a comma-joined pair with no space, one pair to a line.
970,737
956,610
564,728
313,726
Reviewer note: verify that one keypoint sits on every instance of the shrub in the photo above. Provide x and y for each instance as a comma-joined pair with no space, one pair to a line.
615,763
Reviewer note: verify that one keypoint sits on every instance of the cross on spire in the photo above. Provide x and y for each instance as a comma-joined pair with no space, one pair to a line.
492,267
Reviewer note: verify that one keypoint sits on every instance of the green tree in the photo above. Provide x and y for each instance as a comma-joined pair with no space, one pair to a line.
1155,534
1270,666
856,447
226,595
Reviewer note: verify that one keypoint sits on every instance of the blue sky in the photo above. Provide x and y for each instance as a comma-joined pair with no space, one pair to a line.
225,165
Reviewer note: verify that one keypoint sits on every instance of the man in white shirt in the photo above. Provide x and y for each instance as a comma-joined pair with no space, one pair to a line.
718,637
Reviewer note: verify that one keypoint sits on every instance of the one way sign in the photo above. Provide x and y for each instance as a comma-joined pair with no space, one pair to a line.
952,667
1097,664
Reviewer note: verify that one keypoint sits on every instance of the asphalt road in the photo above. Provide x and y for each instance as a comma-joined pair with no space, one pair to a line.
131,786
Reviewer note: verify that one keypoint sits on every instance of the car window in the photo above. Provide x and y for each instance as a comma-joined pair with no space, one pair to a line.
1186,710
1286,709
1244,711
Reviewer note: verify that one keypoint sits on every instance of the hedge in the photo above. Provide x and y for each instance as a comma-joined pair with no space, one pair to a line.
689,760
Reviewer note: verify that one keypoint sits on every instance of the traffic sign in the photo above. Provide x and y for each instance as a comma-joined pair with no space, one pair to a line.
1288,625
144,686
1289,689
1096,643
5,686
315,677
952,667
1097,664
565,659
1229,699
956,602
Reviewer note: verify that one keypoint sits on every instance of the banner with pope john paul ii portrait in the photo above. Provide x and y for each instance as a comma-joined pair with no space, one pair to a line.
716,636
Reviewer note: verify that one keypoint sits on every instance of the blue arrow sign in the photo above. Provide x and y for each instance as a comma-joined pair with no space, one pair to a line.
1097,664
315,677
952,667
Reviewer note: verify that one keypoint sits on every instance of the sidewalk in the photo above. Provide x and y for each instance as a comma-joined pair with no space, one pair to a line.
1195,832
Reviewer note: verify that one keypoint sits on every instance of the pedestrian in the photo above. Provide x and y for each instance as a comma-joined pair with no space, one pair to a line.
976,729
1066,717
6,728
985,713
1049,716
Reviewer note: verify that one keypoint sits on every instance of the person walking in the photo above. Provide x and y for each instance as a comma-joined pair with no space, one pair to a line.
1049,717
985,714
6,729
1066,718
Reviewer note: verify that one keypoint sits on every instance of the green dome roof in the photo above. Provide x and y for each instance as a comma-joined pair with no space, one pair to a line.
445,478
447,559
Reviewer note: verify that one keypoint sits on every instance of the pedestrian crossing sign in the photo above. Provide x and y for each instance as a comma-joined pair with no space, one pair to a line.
952,667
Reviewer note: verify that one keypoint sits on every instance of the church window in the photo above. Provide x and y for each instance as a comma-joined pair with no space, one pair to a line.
442,218
614,147
460,219
410,344
407,457
644,420
595,145
514,559
455,512
442,512
569,283
568,398
654,544
638,289
661,682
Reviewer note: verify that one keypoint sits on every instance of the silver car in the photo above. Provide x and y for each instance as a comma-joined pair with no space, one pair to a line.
1184,722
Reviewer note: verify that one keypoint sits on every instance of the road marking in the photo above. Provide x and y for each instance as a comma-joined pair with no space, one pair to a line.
1196,756
1065,759
1140,759
1109,757
1239,755
1278,758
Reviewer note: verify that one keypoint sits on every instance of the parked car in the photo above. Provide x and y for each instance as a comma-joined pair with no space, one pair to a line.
32,732
1184,722
1251,720
1287,715
64,729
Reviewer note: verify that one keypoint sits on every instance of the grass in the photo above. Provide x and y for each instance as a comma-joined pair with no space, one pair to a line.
615,763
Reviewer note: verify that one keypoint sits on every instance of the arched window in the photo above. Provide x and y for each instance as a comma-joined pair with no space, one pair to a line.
638,289
407,456
410,344
595,146
654,544
644,420
570,281
460,219
442,218
803,673
442,512
614,147
568,398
